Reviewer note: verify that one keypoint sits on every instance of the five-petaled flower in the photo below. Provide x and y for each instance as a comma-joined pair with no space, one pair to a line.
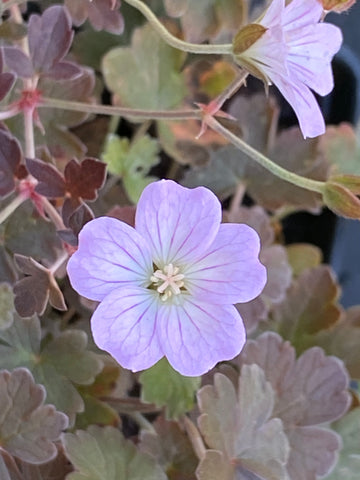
167,286
292,50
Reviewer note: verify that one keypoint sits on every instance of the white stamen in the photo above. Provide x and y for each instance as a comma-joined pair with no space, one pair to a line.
171,281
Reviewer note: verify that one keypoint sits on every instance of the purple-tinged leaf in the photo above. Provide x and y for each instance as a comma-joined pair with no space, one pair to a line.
10,157
56,469
50,37
308,392
34,291
6,82
85,178
64,71
102,14
75,220
18,62
27,426
240,426
51,183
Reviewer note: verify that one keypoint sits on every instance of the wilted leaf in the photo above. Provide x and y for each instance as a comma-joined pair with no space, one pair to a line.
27,426
104,454
10,157
7,308
162,385
33,292
132,162
309,391
58,365
348,466
311,305
156,67
240,426
171,448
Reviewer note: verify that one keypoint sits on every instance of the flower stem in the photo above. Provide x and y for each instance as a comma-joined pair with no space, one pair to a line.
231,89
11,112
124,112
11,207
307,183
53,214
29,133
174,41
59,261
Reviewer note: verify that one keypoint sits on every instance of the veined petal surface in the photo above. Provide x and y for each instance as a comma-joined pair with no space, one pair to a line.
111,254
178,223
230,271
195,335
125,325
299,13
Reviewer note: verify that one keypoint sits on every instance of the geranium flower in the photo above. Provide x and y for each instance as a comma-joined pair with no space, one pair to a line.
293,51
167,286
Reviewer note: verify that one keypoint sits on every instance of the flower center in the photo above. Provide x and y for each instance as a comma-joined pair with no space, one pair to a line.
168,281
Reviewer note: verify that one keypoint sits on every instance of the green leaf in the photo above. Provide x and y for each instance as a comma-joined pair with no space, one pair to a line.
7,308
58,365
348,466
132,161
155,66
104,454
164,386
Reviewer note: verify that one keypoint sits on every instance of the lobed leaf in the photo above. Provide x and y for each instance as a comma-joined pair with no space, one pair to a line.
58,365
132,162
162,385
241,428
156,66
104,454
102,14
50,36
33,292
27,426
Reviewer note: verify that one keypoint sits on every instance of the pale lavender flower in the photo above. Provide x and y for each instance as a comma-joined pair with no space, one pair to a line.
294,53
167,287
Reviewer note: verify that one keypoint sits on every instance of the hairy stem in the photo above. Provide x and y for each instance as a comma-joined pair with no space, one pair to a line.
307,183
59,261
175,42
53,214
29,133
124,112
230,90
11,207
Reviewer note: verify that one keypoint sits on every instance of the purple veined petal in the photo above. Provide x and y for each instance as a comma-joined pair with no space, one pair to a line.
304,103
177,222
230,271
311,50
195,336
273,14
111,254
125,325
299,13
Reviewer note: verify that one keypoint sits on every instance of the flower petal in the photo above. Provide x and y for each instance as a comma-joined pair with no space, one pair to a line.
125,324
310,52
195,335
299,13
230,271
178,223
304,103
110,254
274,14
